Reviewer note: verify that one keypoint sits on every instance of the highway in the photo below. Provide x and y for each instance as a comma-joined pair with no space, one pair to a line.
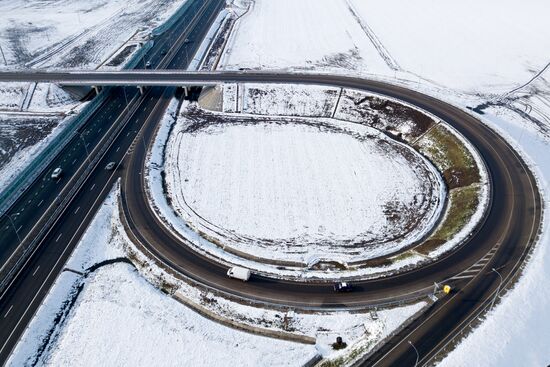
504,239
118,119
502,242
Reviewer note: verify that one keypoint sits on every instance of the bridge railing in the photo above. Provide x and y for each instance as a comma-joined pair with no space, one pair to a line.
45,157
172,19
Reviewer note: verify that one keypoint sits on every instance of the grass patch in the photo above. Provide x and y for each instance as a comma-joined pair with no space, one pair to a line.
450,156
462,205
403,256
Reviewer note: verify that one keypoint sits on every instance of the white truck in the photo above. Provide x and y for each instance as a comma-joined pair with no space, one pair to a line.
237,272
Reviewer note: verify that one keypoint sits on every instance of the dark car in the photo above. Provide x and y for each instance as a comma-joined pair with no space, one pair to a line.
164,52
343,287
110,166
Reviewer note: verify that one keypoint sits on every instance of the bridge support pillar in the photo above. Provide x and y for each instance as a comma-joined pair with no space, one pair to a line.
141,89
186,92
96,89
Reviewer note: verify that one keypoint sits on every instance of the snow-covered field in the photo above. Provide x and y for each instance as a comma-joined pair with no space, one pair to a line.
59,34
73,33
517,331
468,46
292,190
113,315
465,52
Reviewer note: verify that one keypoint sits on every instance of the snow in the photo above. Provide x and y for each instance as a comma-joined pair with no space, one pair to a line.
516,331
291,190
119,317
286,33
121,313
233,246
466,53
465,46
92,248
74,33
471,46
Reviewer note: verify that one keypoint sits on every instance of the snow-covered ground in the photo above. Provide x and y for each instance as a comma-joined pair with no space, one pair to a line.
74,34
472,47
292,190
113,315
207,207
517,331
464,52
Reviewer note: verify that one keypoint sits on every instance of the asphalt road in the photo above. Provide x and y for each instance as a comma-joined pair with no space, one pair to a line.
508,231
31,283
503,241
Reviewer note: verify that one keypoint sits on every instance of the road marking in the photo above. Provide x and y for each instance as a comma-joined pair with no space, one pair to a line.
463,277
8,311
77,209
73,162
18,229
35,270
92,187
58,237
117,149
40,203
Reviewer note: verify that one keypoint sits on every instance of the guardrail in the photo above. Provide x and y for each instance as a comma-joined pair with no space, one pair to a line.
45,157
30,173
62,200
172,19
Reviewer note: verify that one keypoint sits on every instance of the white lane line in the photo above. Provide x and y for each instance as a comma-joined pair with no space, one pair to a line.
58,237
40,203
77,209
6,315
35,270
91,188
463,277
73,162
18,229
117,149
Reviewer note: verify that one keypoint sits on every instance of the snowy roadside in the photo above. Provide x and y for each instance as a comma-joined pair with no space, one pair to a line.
72,34
284,101
115,313
502,47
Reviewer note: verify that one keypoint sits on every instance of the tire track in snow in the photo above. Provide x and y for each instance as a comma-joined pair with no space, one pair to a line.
382,51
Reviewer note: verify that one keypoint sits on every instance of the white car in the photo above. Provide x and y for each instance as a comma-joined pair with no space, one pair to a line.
237,272
56,173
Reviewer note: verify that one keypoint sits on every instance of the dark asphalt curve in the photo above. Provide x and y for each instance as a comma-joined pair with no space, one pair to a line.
510,227
33,280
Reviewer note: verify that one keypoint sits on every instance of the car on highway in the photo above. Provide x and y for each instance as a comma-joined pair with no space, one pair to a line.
148,65
343,287
56,173
237,272
110,166
163,52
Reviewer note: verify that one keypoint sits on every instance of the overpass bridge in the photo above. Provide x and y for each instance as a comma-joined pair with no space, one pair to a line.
144,78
